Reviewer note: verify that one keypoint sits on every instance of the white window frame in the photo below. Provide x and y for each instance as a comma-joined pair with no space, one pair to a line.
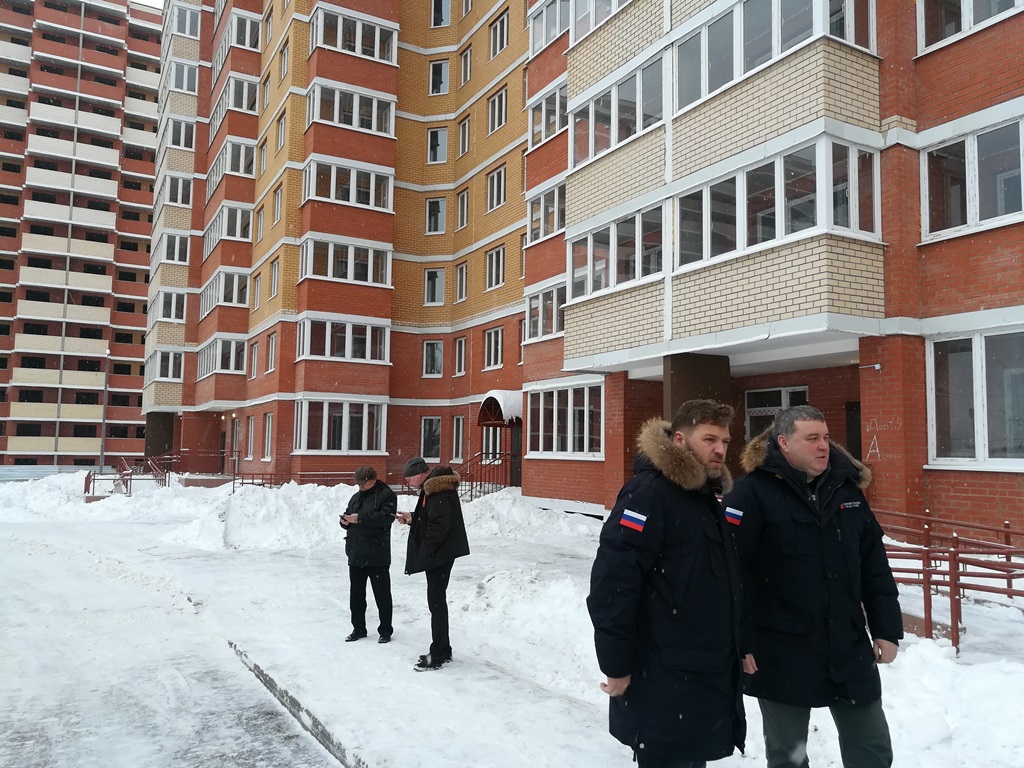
374,442
460,356
465,135
275,277
549,115
437,145
250,438
458,435
493,353
181,133
440,13
429,456
433,359
967,23
542,401
438,78
171,306
339,262
254,359
268,435
435,223
462,208
538,305
465,65
256,281
184,77
498,34
271,352
547,22
283,62
433,289
496,190
461,281
495,272
785,397
186,21
278,202
497,110
282,130
550,200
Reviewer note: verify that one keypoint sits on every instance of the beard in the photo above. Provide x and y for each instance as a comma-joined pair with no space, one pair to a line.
713,474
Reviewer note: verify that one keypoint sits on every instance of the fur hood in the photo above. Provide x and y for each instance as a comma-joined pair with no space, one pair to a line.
674,461
756,452
447,481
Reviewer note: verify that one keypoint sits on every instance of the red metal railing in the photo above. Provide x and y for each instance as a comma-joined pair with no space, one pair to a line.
947,565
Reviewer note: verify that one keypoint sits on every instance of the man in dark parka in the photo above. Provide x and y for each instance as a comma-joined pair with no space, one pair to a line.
437,536
816,582
665,597
367,522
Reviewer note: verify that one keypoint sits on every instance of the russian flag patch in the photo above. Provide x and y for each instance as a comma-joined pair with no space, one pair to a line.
633,520
733,515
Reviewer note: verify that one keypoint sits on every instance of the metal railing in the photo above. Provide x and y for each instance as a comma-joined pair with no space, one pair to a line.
486,473
277,479
988,560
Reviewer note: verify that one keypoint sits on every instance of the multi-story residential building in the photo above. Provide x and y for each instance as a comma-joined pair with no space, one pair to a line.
78,93
455,229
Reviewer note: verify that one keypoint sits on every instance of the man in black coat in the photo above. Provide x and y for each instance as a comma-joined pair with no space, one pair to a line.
367,521
665,597
816,581
437,536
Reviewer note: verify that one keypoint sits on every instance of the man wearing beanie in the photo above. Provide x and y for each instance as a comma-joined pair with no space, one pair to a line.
437,536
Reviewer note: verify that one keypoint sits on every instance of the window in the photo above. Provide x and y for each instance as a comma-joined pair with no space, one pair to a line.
491,444
250,436
975,179
633,105
247,32
547,23
461,279
268,434
278,202
353,36
167,366
458,432
548,116
433,287
271,352
852,20
627,250
435,215
460,356
282,123
175,248
352,186
432,359
545,313
259,225
463,208
492,348
256,291
496,188
275,276
497,110
437,145
352,110
263,157
946,18
438,78
186,21
185,77
495,267
467,6
336,339
547,213
566,420
172,306
179,191
853,188
223,356
587,14
440,13
761,406
225,288
430,437
340,427
499,34
182,134
283,61
266,92
341,261
254,360
463,137
466,65
977,396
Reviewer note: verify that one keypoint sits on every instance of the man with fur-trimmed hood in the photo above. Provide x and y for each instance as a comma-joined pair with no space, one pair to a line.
816,582
437,536
665,597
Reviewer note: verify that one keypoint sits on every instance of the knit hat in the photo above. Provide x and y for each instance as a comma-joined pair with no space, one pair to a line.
365,474
415,466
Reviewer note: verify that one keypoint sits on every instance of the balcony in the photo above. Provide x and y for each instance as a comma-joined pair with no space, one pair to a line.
46,113
139,138
21,54
42,310
31,343
61,245
44,145
50,412
14,84
13,116
143,78
55,278
65,445
37,177
140,107
54,212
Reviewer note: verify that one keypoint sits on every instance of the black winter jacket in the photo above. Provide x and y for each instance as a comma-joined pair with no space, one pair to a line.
665,604
814,567
437,532
368,542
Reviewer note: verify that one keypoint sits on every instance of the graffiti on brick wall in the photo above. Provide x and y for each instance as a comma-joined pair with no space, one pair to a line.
874,428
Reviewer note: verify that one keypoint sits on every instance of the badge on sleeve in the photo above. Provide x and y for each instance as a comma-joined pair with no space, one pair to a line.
633,520
733,515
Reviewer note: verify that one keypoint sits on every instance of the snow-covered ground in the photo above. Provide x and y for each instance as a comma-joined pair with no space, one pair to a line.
117,617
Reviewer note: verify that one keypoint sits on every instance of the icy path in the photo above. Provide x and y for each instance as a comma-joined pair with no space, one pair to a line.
100,673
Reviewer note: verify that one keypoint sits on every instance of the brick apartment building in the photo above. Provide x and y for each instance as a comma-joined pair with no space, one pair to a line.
78,91
452,228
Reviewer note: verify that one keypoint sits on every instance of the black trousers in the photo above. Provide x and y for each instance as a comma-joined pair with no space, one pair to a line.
863,734
437,602
380,582
657,762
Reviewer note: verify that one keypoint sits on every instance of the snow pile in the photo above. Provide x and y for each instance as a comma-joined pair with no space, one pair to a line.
47,498
506,515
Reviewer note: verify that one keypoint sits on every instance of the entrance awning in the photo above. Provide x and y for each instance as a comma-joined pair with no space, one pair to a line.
500,407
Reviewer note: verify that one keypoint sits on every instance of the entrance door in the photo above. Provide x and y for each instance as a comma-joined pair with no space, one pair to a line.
516,453
853,443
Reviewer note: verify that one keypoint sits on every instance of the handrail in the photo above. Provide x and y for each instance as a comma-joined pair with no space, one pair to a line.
485,473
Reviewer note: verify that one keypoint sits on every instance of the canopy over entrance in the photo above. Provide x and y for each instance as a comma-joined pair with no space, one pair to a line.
500,407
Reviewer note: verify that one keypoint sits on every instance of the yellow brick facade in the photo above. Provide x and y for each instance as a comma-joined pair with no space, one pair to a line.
682,10
632,29
631,317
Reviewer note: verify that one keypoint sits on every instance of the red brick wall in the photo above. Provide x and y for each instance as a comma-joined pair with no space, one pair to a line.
901,231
